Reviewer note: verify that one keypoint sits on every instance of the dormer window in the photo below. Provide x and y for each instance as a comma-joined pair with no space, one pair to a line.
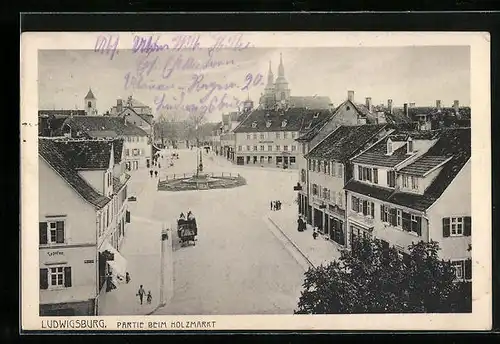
410,145
284,123
316,115
389,147
254,125
268,124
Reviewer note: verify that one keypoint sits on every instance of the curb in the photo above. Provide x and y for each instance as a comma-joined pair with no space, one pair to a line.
293,244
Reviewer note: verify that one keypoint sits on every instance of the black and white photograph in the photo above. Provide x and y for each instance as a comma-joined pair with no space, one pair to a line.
206,174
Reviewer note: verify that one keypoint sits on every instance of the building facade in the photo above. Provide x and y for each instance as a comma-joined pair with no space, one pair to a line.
268,137
137,146
80,180
322,198
405,189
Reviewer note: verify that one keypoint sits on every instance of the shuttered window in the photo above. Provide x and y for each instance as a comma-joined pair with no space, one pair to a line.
51,232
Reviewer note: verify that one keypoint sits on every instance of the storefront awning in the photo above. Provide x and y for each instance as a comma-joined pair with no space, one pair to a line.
118,264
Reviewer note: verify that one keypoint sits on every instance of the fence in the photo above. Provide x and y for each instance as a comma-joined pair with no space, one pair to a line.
175,176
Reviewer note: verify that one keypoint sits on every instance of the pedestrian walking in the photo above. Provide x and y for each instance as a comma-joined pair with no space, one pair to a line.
149,298
141,292
159,166
271,205
299,224
156,174
151,173
127,277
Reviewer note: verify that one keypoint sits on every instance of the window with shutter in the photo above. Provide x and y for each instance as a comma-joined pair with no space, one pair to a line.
44,278
406,221
446,227
375,175
365,208
354,204
383,217
468,269
42,226
60,232
67,276
393,217
467,226
340,169
360,173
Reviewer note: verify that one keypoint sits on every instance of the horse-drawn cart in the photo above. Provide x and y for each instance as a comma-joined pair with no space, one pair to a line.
187,231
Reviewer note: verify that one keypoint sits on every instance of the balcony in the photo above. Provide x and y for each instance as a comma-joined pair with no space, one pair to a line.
367,220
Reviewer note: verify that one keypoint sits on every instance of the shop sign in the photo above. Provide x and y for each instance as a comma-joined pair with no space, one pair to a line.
55,253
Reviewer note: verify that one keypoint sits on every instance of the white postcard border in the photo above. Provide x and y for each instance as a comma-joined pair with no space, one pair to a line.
479,319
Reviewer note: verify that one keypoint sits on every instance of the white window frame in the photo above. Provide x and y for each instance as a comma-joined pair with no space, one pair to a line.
249,136
399,218
240,148
285,148
294,148
293,134
50,273
458,262
414,183
49,238
405,181
262,136
269,148
458,223
255,136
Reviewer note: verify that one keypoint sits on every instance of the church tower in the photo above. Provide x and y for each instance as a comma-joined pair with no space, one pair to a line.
267,99
282,92
90,104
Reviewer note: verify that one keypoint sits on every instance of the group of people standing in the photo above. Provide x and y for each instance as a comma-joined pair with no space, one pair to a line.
157,164
275,205
302,226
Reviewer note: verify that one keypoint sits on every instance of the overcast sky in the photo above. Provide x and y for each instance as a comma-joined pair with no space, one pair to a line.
405,74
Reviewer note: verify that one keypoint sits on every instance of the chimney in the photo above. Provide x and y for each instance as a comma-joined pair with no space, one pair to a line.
456,105
369,103
405,108
438,104
119,105
389,105
412,105
350,96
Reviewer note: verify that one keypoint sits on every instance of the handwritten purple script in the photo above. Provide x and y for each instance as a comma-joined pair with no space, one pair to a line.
107,45
159,59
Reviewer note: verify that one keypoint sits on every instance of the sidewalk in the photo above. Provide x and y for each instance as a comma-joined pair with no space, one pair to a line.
141,247
319,251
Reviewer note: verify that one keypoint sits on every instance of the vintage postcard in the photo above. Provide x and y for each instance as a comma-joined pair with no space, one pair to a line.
255,181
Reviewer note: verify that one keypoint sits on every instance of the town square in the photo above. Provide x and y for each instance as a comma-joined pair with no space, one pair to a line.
244,190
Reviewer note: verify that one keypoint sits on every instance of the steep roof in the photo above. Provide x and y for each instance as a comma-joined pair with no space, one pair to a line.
455,145
50,152
88,124
90,154
117,185
311,102
342,143
377,154
148,118
297,119
90,95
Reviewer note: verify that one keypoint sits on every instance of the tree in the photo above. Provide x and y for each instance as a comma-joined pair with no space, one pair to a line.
373,278
193,125
166,127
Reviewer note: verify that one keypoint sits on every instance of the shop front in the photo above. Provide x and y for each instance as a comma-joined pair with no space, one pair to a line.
112,267
358,231
67,281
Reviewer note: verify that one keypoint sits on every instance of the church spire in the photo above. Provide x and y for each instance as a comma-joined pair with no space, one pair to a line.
281,68
270,76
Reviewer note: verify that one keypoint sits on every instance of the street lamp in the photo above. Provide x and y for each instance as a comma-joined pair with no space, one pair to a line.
164,237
